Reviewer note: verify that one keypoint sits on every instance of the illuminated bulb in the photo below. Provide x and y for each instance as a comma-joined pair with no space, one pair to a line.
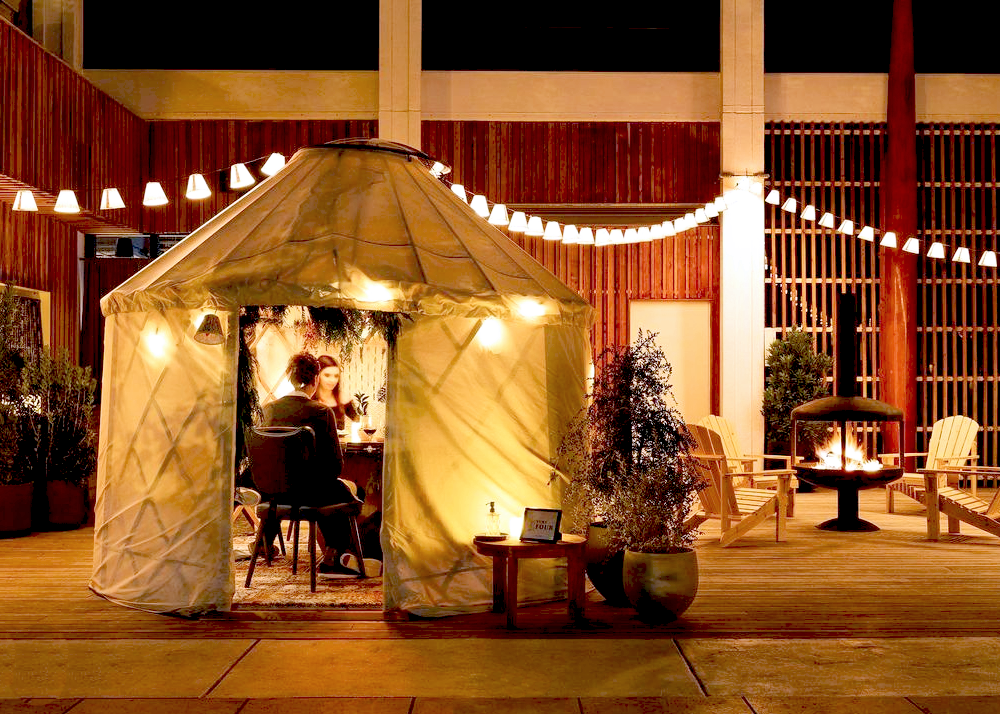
274,164
690,221
668,228
586,236
710,210
888,240
156,344
936,250
239,176
912,245
535,227
66,202
656,232
602,236
720,204
516,526
846,227
773,198
809,213
375,293
459,190
826,220
518,222
642,234
154,195
552,231
490,332
24,200
531,308
197,187
616,236
700,216
790,205
111,199
988,259
631,235
438,169
479,206
756,188
570,234
498,216
962,256
867,233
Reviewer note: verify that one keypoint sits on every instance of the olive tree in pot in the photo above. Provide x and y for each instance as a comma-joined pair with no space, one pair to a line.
627,461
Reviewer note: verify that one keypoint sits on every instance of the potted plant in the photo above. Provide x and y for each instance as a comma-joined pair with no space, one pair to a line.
65,448
627,461
15,481
796,374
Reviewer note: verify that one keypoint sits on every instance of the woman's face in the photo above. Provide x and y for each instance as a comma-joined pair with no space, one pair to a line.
328,378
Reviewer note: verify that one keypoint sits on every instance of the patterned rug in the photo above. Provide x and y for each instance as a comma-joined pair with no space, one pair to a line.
275,586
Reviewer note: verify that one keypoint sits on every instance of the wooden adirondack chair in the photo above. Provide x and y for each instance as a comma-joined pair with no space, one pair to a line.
960,506
952,444
745,464
739,509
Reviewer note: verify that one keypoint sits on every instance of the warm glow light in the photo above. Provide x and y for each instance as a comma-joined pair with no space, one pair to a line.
616,236
630,235
700,216
154,195
831,455
809,213
274,164
988,259
459,190
826,220
156,343
936,250
790,205
689,221
847,227
438,169
518,222
515,527
25,201
570,234
197,188
586,236
711,211
66,202
239,176
490,333
720,204
656,232
756,187
962,256
535,227
912,245
374,292
531,308
773,198
669,229
602,236
867,233
479,205
888,240
111,199
498,216
552,231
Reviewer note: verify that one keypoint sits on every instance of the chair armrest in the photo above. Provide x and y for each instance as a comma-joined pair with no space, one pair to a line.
707,457
777,457
958,459
895,457
771,472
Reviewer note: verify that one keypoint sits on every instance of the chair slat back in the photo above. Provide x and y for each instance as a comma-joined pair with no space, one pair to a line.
951,437
709,442
277,455
730,442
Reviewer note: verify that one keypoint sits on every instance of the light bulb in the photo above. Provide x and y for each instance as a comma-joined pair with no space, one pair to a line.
602,236
809,213
888,240
154,195
773,198
616,236
962,256
197,187
479,206
459,190
988,259
518,222
66,202
531,308
711,211
700,216
498,216
912,245
111,199
867,233
552,231
790,205
24,200
570,234
274,164
720,204
936,250
846,227
826,220
656,232
668,228
586,236
239,176
535,228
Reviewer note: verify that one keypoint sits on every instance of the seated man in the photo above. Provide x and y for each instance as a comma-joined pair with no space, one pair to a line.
299,409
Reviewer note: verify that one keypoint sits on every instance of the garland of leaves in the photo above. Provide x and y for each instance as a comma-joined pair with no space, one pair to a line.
344,326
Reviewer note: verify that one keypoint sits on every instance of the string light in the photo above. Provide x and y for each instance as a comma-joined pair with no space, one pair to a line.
66,202
459,190
888,240
846,227
773,198
479,206
498,216
197,187
867,233
790,205
827,220
24,200
936,250
809,213
111,199
961,256
912,245
988,259
570,234
586,236
154,195
535,227
552,231
518,222
274,164
240,177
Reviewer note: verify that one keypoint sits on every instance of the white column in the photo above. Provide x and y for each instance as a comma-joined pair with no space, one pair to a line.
399,66
742,249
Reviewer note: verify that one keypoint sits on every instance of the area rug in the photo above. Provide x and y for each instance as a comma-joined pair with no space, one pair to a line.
275,586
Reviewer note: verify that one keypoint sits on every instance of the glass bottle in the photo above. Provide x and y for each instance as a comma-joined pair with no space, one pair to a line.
492,521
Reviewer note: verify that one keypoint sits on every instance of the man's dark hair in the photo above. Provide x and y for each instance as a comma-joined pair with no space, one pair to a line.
303,369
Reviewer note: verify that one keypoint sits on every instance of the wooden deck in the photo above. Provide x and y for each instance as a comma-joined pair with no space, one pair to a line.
892,583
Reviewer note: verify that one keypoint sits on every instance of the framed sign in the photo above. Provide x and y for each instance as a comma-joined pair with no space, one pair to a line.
541,525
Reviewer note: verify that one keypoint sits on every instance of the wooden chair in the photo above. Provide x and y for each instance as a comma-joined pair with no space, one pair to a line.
745,463
960,506
738,508
952,444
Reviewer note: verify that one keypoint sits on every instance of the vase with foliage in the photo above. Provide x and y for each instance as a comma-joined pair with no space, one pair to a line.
627,461
15,481
795,374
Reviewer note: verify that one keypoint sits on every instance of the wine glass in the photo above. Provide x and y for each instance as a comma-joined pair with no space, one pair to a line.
369,428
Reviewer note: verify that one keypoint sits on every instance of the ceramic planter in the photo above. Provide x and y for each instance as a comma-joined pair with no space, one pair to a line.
661,586
604,567
15,509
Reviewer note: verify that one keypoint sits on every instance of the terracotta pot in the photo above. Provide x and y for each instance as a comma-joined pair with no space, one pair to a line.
661,586
604,567
67,504
15,509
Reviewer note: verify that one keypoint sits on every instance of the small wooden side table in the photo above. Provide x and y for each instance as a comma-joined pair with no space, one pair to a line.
506,553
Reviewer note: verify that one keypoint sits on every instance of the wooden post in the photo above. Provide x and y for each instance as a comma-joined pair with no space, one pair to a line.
898,295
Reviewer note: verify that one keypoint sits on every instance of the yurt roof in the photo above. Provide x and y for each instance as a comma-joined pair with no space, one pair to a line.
358,224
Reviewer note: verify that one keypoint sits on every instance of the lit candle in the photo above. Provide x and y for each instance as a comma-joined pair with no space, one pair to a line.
515,526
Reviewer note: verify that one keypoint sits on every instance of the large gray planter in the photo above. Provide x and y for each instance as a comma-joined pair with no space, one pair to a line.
661,586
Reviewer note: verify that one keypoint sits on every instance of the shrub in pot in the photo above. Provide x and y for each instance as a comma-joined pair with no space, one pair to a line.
627,461
15,481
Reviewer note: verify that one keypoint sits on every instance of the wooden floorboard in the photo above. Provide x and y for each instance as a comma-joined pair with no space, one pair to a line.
891,583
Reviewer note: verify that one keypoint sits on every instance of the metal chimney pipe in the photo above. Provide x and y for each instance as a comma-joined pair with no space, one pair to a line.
846,346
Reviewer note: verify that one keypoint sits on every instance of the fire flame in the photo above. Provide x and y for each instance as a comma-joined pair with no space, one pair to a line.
829,455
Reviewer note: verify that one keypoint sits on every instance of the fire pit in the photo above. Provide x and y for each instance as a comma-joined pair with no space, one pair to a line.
842,463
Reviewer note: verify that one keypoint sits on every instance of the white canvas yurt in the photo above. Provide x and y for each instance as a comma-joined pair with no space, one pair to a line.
469,420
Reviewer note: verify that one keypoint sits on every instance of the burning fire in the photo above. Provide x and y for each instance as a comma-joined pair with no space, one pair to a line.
829,455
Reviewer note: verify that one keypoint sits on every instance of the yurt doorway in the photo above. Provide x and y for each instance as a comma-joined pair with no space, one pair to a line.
353,360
